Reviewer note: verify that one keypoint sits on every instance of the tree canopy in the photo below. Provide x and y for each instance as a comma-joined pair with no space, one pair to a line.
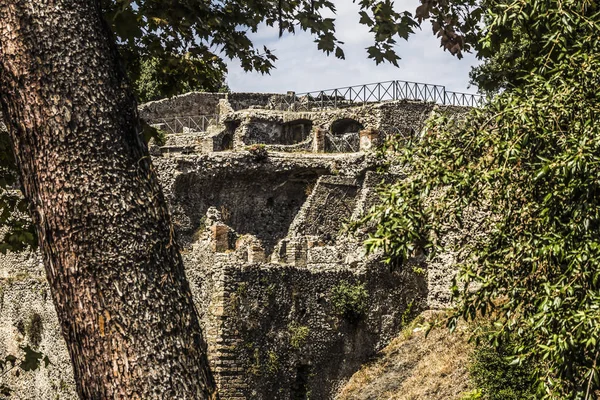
188,41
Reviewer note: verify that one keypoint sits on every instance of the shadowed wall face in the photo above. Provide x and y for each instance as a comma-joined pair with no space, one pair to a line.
259,203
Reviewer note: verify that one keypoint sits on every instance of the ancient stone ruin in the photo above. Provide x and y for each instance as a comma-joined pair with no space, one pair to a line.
260,189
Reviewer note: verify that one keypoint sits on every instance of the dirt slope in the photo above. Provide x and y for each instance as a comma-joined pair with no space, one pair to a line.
414,366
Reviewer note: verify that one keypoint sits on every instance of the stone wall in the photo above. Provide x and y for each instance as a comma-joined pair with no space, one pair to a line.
279,335
271,127
272,328
203,103
241,101
28,318
263,249
254,118
189,104
257,197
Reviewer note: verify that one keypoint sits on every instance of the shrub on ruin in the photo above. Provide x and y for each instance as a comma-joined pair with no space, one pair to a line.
298,335
153,135
259,152
350,301
497,378
35,329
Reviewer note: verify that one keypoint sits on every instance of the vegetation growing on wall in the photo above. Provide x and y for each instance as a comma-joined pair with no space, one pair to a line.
28,360
350,301
258,152
298,335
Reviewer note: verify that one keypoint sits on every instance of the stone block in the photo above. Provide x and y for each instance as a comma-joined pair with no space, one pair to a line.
369,138
208,145
296,253
323,255
256,254
220,238
319,140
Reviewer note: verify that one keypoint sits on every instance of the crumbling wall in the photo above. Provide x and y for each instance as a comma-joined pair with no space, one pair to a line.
241,101
341,126
278,322
258,197
204,103
331,204
280,336
269,319
189,104
28,318
257,200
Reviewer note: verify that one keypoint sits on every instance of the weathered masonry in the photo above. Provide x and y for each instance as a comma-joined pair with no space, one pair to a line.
264,246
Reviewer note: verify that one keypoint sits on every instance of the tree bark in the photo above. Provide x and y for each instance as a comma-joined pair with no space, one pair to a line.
114,267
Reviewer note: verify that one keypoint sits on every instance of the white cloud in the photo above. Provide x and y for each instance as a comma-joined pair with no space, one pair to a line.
302,68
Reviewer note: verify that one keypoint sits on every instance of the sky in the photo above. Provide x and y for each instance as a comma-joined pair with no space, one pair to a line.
301,67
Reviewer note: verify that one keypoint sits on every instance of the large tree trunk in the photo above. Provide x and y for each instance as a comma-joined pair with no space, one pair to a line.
113,265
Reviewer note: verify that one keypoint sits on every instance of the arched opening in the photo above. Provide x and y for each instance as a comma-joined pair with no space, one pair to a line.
227,142
346,125
344,136
296,131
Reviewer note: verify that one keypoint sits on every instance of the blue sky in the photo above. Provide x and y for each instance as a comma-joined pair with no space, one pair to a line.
302,68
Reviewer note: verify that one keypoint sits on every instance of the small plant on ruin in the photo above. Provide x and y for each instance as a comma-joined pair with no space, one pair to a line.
258,151
309,188
350,301
225,214
298,335
200,230
34,329
255,366
272,362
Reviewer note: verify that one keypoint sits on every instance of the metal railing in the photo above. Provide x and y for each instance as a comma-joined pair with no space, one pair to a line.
341,143
337,98
187,124
378,92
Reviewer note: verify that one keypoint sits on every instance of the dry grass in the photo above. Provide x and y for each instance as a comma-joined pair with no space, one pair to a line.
415,367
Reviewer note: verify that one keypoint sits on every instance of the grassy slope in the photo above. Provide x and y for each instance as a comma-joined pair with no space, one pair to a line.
414,366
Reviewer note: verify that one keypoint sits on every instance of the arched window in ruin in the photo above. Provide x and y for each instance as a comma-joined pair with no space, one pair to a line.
227,142
343,136
296,131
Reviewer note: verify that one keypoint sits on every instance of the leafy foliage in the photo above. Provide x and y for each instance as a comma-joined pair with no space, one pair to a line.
513,45
350,301
18,233
529,161
496,378
457,23
190,39
160,78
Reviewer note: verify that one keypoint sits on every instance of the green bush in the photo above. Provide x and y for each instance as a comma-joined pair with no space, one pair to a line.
350,301
496,378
